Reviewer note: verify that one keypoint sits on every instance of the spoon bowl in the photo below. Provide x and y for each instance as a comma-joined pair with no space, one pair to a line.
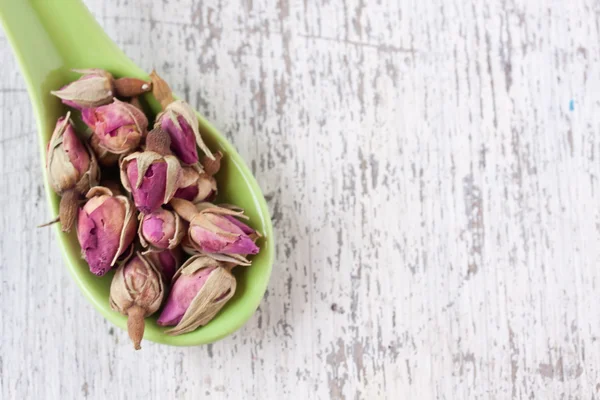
49,39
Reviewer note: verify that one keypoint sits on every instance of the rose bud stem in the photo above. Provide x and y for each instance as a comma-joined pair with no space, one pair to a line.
135,101
211,167
67,210
137,290
229,266
186,209
131,87
161,90
159,142
135,325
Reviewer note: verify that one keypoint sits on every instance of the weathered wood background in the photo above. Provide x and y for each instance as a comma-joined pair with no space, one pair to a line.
432,172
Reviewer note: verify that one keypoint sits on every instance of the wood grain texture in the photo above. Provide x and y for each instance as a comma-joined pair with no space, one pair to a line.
432,172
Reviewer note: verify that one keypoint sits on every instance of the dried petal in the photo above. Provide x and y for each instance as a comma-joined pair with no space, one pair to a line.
183,142
137,290
243,227
212,232
93,89
208,241
72,169
148,195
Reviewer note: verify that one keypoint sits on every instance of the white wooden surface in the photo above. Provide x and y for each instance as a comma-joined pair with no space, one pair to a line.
435,196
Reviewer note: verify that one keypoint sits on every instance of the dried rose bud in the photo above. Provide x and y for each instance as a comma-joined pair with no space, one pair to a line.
195,185
181,123
151,176
229,261
215,230
201,287
72,169
68,159
119,126
106,228
160,230
137,290
93,89
168,261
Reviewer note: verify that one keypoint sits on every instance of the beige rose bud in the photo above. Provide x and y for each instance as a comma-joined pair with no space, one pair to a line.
137,290
93,89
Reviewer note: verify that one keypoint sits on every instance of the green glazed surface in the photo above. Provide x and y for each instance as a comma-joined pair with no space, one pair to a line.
51,37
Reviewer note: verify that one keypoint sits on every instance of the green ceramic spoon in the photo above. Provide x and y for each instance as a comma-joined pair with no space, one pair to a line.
51,37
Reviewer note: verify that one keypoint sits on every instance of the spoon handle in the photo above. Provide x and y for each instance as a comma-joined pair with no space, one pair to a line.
50,34
51,37
33,47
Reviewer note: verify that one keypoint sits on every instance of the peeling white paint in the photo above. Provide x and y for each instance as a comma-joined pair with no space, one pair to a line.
432,171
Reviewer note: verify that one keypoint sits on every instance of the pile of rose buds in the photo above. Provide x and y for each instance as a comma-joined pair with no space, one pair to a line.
153,207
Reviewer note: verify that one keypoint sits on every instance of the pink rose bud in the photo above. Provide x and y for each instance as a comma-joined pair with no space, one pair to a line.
106,228
137,290
160,230
93,89
215,230
72,169
181,123
119,126
201,287
195,185
151,176
167,261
